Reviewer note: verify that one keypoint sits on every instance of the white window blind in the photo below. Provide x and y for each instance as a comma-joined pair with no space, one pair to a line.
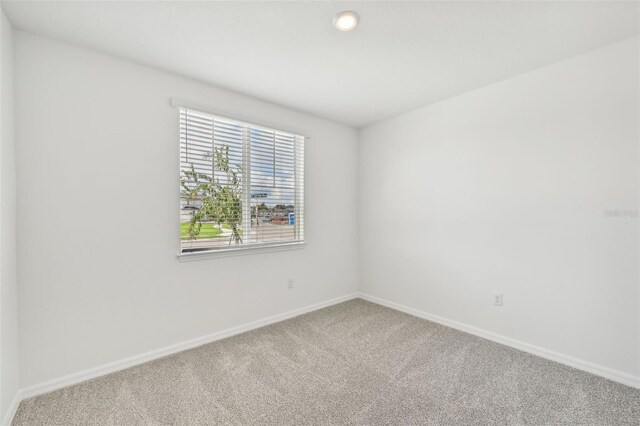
241,184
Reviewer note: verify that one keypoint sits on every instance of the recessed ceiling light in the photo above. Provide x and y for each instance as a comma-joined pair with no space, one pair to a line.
346,21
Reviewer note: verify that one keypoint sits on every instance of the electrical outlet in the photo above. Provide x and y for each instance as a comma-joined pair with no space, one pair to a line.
497,299
290,283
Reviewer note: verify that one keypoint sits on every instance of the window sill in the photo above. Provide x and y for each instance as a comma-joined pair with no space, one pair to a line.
208,254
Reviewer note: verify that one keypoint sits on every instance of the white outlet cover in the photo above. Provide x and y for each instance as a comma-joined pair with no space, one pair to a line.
497,299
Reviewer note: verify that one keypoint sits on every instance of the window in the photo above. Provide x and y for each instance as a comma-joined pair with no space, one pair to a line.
241,185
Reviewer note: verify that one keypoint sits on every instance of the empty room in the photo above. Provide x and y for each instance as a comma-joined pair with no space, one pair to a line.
319,213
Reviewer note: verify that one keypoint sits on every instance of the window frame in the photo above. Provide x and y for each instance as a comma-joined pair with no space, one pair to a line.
299,191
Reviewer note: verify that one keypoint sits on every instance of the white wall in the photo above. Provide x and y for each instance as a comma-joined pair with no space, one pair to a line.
97,140
8,277
505,189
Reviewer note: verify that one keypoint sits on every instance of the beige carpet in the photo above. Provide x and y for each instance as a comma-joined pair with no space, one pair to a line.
353,363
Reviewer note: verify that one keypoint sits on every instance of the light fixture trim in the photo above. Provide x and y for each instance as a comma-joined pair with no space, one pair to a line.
346,21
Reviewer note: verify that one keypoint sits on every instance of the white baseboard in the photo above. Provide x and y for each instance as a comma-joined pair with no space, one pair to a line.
13,408
112,367
589,367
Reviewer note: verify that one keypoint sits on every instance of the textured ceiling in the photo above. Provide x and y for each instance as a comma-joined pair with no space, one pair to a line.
403,55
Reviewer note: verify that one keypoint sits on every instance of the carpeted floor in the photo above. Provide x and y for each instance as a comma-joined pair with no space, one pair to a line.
352,363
